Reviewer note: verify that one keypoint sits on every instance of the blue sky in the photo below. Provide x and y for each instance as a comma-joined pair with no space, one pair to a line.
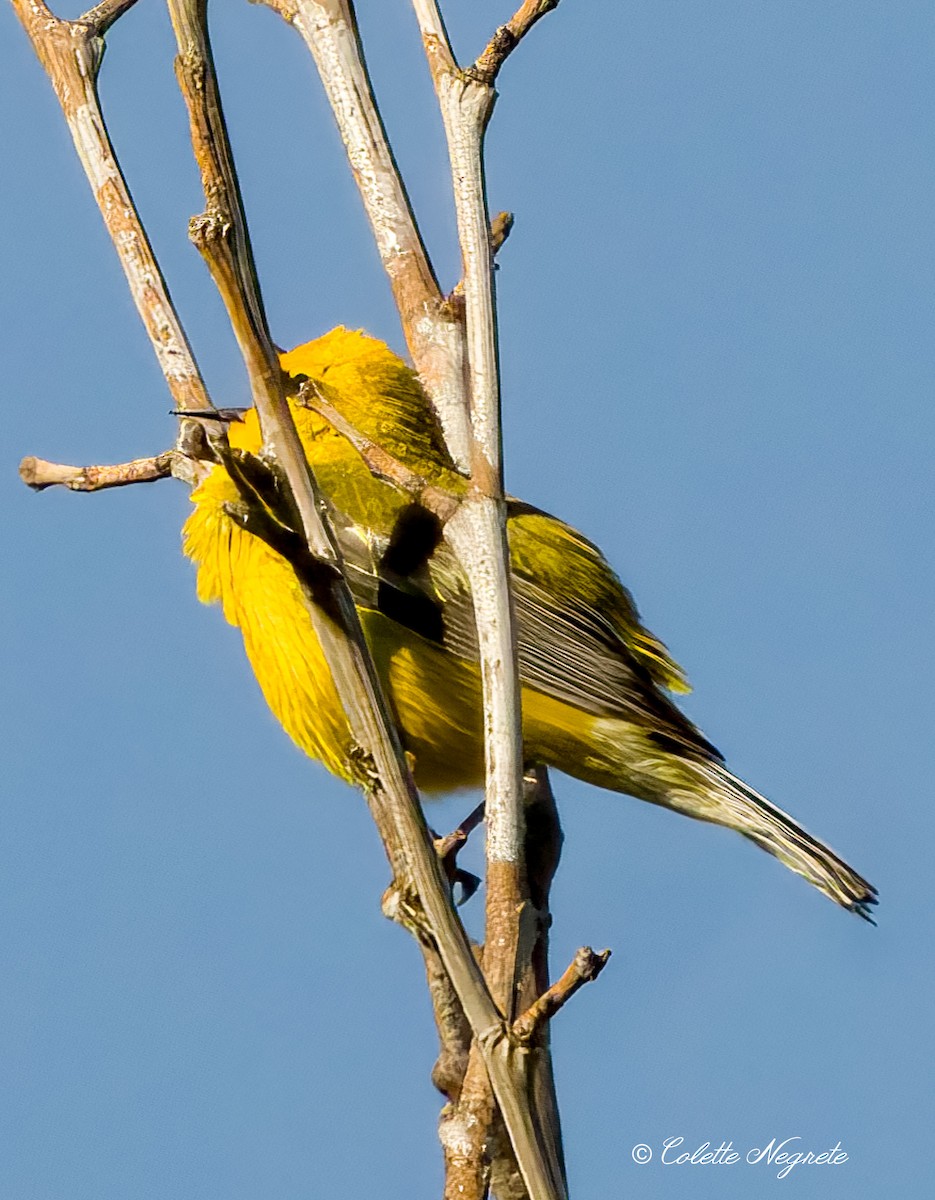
715,315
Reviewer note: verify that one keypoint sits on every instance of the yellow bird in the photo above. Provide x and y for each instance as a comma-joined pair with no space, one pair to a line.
593,676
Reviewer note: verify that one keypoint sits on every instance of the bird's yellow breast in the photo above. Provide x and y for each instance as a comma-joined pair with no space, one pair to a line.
436,697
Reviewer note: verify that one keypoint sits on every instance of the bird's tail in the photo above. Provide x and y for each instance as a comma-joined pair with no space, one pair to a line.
740,807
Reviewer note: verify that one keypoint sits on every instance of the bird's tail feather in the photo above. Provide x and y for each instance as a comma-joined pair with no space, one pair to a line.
751,814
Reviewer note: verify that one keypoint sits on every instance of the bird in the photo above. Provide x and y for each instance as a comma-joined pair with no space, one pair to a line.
595,681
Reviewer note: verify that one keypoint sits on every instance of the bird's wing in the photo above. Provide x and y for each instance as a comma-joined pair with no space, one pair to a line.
575,572
568,649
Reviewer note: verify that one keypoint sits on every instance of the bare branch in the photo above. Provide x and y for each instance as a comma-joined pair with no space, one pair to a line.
543,852
329,29
380,462
477,533
466,1132
466,1140
478,530
454,1030
71,52
508,37
585,967
434,335
39,474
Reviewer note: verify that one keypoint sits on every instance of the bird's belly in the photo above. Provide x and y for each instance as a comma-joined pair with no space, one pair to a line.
438,702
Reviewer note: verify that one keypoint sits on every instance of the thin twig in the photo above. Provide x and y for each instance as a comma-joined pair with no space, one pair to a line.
508,37
380,462
71,52
38,474
585,966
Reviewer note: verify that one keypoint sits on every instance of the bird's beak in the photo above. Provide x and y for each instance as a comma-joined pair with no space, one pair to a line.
227,415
